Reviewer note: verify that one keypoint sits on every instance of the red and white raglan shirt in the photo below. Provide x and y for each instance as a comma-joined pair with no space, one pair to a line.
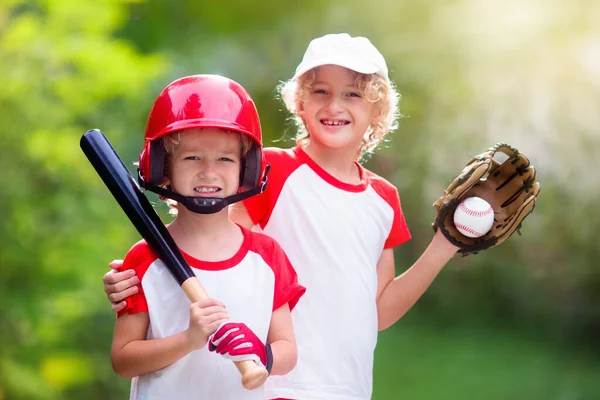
257,280
334,234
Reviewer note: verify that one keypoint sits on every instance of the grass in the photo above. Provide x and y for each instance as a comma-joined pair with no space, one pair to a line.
423,362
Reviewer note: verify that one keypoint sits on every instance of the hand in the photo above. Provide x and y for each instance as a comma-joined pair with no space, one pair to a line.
238,342
119,285
205,317
507,183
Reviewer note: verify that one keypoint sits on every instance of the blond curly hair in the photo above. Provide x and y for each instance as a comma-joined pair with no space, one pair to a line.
373,87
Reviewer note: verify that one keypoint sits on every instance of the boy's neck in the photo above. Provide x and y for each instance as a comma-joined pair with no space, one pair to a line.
338,163
207,237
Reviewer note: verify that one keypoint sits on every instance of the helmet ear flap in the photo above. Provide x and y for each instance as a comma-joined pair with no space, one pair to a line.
157,162
251,168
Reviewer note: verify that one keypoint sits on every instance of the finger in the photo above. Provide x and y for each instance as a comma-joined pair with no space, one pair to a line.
116,264
214,310
204,303
125,284
206,309
107,277
112,277
198,310
213,321
226,332
117,281
118,306
216,316
202,309
237,344
116,297
212,327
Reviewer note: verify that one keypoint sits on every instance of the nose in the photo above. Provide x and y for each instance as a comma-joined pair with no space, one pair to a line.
334,104
207,168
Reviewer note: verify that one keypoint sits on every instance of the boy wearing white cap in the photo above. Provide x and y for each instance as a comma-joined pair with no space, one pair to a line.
337,221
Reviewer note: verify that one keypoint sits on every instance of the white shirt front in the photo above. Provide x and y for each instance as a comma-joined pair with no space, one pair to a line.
333,234
253,283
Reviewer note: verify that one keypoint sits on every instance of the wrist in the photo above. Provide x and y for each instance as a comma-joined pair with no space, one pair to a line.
192,342
188,341
443,245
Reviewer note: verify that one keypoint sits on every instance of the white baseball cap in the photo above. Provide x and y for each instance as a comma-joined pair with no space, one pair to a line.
355,53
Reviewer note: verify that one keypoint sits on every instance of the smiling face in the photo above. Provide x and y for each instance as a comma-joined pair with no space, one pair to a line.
205,163
335,111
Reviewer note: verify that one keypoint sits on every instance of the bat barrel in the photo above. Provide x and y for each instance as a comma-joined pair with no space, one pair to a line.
136,206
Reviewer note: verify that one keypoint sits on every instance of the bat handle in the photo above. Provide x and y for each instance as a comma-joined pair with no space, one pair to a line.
194,290
253,375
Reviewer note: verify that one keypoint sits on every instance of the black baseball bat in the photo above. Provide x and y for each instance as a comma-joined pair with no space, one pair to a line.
142,215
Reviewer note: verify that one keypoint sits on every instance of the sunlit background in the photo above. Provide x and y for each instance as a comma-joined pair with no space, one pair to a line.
521,321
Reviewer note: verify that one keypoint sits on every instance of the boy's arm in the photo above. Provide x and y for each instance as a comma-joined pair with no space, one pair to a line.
395,296
133,355
283,341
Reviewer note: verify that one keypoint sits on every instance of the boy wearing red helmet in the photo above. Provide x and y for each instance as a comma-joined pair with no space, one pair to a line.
203,151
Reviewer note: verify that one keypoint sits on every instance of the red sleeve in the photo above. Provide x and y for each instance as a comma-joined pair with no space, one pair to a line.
139,258
283,163
287,289
399,232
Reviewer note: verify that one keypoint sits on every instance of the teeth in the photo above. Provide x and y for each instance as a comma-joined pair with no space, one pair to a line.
333,123
206,190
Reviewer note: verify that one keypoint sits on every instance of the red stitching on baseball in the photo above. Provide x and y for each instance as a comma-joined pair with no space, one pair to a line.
474,213
468,229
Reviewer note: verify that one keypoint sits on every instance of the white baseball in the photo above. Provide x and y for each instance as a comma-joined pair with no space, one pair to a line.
474,217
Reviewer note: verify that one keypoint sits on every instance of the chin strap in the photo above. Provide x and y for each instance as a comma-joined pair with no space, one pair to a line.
205,205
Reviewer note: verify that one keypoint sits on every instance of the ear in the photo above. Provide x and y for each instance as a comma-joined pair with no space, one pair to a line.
300,107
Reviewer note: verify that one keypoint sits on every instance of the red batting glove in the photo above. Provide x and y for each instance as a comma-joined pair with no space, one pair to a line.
238,342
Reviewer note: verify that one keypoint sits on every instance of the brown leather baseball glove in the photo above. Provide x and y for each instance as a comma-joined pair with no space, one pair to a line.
510,187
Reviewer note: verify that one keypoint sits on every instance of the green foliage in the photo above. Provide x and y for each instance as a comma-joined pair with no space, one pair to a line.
60,73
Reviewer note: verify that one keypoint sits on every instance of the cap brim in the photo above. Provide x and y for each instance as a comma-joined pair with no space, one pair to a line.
359,66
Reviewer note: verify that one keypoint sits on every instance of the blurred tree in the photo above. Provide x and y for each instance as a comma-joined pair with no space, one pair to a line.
61,73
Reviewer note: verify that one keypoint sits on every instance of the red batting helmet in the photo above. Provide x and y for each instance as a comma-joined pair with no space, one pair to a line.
202,101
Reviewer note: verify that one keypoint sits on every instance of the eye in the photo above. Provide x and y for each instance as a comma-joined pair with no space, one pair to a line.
320,91
354,94
193,158
226,159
